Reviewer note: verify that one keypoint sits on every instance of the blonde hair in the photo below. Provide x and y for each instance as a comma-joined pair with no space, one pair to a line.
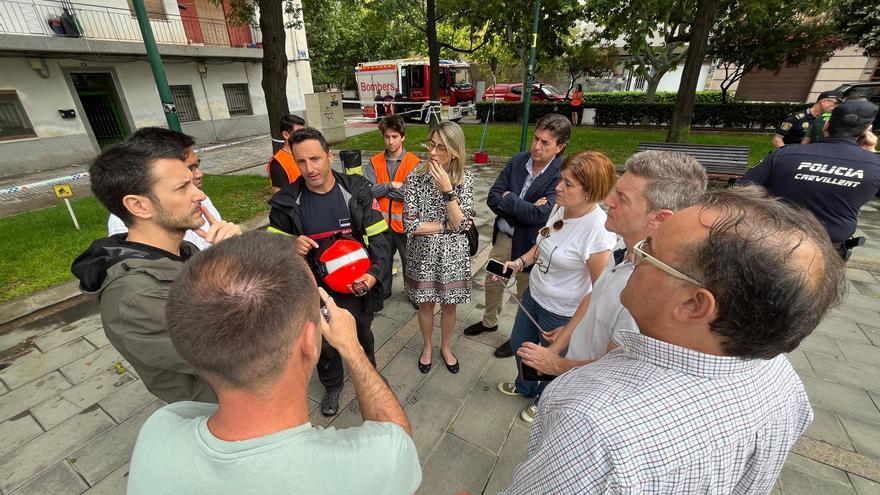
452,137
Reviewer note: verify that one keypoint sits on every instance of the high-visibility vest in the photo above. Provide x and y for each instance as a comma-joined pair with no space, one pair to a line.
287,163
391,209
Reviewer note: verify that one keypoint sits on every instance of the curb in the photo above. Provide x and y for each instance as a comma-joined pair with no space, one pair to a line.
23,306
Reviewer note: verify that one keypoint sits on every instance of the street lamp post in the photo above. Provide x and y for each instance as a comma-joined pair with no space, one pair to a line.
527,89
156,65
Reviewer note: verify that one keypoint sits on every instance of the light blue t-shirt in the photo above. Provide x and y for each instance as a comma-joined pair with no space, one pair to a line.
176,453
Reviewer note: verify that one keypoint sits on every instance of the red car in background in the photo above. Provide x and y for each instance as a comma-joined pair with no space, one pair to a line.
513,92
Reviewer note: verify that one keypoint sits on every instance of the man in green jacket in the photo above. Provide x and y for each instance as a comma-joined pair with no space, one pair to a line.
145,182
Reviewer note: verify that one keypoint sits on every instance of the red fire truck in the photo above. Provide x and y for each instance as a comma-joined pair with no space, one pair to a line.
408,80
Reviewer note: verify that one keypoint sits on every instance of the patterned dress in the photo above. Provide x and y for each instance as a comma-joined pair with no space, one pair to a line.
438,266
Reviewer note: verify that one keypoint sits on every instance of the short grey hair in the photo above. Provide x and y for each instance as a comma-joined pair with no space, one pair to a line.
676,180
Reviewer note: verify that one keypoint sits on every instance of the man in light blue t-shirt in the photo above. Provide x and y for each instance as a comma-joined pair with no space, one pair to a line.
245,314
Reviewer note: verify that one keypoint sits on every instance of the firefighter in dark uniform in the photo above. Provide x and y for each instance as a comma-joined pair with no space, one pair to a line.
323,205
793,129
833,179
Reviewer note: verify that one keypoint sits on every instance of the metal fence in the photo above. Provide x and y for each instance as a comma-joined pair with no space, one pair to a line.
77,20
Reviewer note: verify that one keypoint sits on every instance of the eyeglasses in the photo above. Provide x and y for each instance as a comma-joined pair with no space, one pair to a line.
539,263
440,147
545,233
639,255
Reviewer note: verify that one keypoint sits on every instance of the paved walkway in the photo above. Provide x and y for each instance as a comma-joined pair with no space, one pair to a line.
71,407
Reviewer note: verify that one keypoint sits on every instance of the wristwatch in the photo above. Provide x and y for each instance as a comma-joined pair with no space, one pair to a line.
449,196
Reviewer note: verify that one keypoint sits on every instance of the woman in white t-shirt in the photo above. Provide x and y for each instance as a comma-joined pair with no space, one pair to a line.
570,253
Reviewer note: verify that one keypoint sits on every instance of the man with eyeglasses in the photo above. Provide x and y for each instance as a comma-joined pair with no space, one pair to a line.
702,398
654,185
522,196
193,163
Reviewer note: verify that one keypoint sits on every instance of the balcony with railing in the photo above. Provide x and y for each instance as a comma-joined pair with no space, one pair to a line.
66,19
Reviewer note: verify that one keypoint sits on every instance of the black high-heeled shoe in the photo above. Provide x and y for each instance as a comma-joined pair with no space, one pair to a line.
453,368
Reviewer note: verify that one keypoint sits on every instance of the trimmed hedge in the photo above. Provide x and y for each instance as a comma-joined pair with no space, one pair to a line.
640,96
511,111
730,115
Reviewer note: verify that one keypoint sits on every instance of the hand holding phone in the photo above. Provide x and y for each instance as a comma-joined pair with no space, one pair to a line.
498,269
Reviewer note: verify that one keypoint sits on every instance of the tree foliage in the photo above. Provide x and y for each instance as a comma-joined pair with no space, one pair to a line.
582,58
655,33
859,23
769,35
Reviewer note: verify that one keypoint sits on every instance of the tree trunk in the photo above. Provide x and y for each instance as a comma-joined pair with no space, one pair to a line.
683,112
433,51
651,93
274,65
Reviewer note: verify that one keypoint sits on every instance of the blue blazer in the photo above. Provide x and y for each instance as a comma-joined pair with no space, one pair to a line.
521,213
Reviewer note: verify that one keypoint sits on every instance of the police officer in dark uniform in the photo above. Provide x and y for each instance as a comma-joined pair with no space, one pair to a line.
833,179
323,205
793,129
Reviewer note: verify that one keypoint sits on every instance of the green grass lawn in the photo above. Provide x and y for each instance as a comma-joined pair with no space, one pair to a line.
618,144
37,247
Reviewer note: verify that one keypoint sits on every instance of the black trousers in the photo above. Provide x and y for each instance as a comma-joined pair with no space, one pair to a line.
399,245
330,363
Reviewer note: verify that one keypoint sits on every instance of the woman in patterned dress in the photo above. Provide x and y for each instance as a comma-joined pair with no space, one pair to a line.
437,212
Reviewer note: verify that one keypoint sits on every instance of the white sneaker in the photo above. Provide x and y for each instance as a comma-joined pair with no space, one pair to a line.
528,414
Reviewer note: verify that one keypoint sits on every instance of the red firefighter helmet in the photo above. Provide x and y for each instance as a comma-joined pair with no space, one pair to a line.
341,262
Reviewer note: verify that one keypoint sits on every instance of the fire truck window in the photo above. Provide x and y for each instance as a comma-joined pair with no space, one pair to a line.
444,73
417,78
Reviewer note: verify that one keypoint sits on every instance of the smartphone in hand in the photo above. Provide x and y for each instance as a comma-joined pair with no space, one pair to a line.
497,268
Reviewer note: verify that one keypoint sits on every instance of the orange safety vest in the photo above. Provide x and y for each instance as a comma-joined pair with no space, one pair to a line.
576,98
391,209
287,163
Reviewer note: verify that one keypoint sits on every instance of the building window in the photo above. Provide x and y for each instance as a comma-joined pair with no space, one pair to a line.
14,123
185,103
155,9
238,99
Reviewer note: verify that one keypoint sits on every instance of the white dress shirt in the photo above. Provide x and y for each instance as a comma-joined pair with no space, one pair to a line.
651,417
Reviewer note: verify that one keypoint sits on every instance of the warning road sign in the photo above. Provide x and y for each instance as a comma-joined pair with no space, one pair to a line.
63,190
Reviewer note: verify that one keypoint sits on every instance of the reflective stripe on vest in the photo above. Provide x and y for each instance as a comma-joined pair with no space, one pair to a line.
393,209
287,163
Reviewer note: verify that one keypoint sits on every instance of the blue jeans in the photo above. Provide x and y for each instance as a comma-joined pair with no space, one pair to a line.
526,331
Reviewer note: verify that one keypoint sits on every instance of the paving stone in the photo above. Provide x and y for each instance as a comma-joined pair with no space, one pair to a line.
512,455
472,365
112,449
17,431
430,413
856,274
872,332
864,486
54,411
836,397
404,379
803,476
865,435
867,289
113,484
820,343
383,328
487,416
854,315
397,309
27,370
843,330
476,345
98,386
92,364
854,374
60,479
866,353
38,455
457,467
827,428
126,401
800,363
67,333
97,338
3,389
27,396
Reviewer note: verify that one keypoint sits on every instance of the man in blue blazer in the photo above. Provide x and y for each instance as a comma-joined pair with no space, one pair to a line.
523,196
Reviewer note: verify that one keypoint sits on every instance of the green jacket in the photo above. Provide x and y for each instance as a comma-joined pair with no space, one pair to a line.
132,281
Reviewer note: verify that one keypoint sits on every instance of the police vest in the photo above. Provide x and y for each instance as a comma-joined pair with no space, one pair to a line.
391,209
287,163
